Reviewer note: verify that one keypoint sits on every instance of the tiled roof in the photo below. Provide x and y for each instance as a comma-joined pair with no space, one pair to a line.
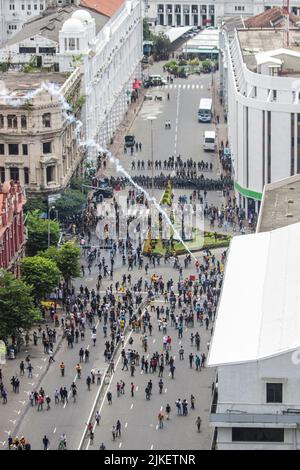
270,18
105,7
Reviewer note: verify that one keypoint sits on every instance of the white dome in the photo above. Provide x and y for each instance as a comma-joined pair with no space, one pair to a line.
82,15
72,25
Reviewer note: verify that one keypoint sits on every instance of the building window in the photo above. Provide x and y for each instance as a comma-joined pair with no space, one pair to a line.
25,149
23,7
1,149
2,174
71,44
12,121
77,44
274,392
50,173
269,147
41,6
27,50
47,120
14,174
257,435
177,8
13,149
35,6
23,122
11,6
47,147
292,144
1,121
47,50
26,175
29,7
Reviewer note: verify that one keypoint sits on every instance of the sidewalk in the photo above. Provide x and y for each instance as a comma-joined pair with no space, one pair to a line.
17,403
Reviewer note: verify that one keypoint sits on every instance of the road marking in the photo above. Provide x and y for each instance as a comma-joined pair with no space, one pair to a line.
131,406
156,427
147,356
201,87
23,402
2,442
154,341
103,399
54,431
36,375
142,371
13,421
193,86
40,367
180,343
169,374
31,383
44,359
151,447
120,445
161,408
126,424
166,390
170,87
183,86
174,357
137,387
7,432
18,412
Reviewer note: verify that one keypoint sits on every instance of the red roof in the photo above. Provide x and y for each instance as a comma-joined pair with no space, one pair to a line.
270,18
105,7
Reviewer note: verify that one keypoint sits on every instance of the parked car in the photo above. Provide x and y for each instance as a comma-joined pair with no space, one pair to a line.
129,140
148,97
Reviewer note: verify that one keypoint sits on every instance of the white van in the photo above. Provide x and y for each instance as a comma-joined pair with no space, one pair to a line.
209,140
157,80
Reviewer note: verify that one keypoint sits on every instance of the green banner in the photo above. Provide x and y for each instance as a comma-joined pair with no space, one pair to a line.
248,192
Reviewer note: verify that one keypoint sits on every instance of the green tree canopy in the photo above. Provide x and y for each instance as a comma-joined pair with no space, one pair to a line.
67,258
161,47
17,310
35,203
40,273
37,229
70,203
147,36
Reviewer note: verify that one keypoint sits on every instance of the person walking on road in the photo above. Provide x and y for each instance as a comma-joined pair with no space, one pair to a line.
62,369
160,420
113,431
88,382
198,423
97,418
168,411
46,442
118,428
132,387
109,398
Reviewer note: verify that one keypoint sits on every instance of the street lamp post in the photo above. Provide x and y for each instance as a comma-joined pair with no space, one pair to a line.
49,212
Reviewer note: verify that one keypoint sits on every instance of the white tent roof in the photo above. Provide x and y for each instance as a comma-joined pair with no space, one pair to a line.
175,33
259,309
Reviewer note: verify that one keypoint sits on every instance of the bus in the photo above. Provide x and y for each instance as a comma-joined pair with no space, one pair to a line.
205,110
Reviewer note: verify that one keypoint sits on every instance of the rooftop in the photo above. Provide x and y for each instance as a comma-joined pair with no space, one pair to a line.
105,7
22,82
254,41
49,24
270,18
281,204
260,303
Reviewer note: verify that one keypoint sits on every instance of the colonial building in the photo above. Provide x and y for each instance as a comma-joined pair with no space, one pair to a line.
200,13
12,233
37,142
110,63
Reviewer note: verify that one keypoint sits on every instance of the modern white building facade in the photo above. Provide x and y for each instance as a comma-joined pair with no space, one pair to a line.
255,345
110,62
201,13
259,73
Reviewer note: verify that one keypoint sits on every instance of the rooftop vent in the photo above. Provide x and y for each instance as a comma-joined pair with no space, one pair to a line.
289,214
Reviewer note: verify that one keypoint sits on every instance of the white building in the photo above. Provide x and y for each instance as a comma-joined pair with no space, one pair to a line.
15,13
259,76
200,13
255,344
110,63
38,40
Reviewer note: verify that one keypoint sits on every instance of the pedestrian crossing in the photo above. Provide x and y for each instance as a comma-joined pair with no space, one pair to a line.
179,86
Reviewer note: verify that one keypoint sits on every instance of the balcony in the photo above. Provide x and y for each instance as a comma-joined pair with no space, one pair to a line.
287,419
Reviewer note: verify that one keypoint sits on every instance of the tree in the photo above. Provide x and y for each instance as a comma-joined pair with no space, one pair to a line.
147,36
67,259
40,273
70,203
35,203
17,310
161,47
37,230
